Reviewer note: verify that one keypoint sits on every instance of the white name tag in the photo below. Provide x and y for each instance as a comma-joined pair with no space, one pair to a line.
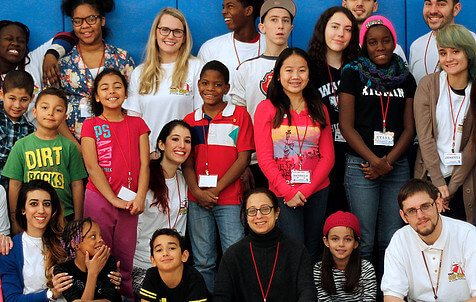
126,194
338,137
207,181
300,177
383,138
452,159
85,110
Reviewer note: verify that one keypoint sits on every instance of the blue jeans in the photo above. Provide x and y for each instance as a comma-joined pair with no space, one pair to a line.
203,236
305,223
374,202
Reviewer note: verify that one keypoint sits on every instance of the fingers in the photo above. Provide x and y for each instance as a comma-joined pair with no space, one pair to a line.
6,244
62,282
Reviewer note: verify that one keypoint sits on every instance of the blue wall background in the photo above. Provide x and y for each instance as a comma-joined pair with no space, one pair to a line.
131,20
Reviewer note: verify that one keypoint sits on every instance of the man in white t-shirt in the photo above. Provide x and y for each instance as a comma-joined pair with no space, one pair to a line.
434,257
253,76
242,42
362,9
424,57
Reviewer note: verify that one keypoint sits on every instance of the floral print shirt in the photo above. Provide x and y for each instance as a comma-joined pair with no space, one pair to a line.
73,80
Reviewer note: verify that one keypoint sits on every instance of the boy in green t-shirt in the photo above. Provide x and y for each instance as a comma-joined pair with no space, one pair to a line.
47,155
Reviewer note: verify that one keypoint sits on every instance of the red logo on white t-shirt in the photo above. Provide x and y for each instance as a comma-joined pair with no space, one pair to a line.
456,273
264,83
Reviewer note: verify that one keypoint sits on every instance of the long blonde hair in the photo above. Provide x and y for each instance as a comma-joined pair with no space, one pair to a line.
152,72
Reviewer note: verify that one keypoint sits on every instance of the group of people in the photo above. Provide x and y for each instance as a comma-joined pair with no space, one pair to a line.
182,145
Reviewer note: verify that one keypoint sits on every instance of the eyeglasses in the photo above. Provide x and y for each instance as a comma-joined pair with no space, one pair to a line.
165,31
91,20
265,210
424,209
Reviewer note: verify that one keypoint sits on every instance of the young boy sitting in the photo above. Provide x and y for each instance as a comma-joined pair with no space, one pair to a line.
48,155
171,279
16,95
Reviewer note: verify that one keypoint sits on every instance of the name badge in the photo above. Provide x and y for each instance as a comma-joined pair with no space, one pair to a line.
207,181
452,159
338,137
85,110
383,138
126,194
300,177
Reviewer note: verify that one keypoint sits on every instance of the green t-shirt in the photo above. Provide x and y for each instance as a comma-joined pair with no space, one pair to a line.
56,161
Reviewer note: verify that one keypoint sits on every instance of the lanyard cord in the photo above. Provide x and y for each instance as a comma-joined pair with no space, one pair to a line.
426,50
384,114
129,179
85,71
272,273
180,202
236,51
455,122
332,84
435,291
301,144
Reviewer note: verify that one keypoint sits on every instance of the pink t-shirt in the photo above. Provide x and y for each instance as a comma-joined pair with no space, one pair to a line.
278,150
117,146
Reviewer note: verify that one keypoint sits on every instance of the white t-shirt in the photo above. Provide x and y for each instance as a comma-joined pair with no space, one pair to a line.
421,56
445,121
34,278
168,103
225,49
153,218
405,274
4,220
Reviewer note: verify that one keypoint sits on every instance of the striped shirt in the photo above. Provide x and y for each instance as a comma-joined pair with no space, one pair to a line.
366,291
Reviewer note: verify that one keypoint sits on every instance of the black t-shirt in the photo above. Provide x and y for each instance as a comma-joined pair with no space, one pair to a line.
368,109
191,288
104,288
328,91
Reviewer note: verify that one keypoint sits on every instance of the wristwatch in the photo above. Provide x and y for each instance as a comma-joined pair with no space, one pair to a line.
49,295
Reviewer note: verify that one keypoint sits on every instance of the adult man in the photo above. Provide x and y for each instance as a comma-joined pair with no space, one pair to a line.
242,42
362,9
432,258
253,76
424,57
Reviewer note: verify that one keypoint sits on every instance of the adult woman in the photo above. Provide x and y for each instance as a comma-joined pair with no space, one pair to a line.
294,147
334,43
164,87
376,118
266,264
26,270
166,200
444,127
84,62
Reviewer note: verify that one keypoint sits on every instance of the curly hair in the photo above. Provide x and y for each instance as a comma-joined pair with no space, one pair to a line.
101,6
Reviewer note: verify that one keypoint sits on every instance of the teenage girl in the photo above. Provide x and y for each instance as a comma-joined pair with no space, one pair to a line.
342,275
334,43
376,119
166,203
444,123
90,263
294,147
116,155
164,87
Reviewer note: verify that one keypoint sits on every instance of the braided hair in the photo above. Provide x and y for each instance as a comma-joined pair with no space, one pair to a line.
73,235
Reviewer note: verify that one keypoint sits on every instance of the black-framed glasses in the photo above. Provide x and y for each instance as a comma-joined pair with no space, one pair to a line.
91,20
424,209
165,31
265,210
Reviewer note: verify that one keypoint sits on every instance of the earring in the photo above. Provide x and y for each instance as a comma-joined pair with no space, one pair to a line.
23,212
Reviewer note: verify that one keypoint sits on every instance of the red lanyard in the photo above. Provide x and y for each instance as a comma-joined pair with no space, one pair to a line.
272,273
236,51
301,144
455,122
384,114
332,84
85,71
180,202
207,171
129,179
435,291
426,50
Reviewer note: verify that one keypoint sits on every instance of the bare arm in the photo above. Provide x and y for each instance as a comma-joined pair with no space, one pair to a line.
77,188
94,267
64,131
137,205
97,175
392,299
13,190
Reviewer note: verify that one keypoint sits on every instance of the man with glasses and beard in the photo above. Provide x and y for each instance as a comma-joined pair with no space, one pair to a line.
434,257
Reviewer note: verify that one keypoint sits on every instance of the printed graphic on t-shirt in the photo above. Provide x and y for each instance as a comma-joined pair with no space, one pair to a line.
104,147
326,91
184,90
264,82
456,273
183,206
286,147
398,92
45,161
